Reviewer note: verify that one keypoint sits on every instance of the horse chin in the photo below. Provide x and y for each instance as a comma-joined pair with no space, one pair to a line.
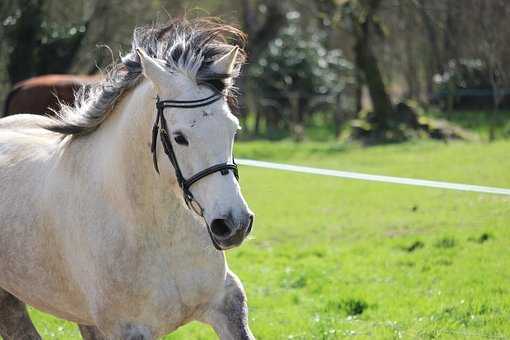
225,244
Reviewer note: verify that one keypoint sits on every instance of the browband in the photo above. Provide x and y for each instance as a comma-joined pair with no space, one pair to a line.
188,104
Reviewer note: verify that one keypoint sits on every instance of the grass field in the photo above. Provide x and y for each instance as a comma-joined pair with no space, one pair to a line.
332,258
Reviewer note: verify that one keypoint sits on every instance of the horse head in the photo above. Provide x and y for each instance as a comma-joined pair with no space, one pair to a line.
198,131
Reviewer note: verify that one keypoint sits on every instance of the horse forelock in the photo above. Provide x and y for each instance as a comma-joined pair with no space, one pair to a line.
188,46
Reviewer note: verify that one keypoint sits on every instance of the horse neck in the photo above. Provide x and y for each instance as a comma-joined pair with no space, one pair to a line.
126,164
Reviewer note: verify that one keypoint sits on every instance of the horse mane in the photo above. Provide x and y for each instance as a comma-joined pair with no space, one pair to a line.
185,45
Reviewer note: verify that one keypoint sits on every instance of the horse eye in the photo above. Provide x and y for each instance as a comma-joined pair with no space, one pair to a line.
181,140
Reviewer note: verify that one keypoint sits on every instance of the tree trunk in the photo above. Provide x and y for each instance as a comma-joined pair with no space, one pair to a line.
258,118
496,99
411,70
367,62
434,61
450,32
338,116
295,124
358,88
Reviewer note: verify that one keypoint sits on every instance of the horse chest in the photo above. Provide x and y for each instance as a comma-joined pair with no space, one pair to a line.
174,284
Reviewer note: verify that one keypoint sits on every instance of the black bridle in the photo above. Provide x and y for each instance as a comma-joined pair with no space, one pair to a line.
160,127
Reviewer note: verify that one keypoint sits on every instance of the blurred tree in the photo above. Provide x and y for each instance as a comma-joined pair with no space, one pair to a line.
262,21
22,32
362,21
430,39
297,76
433,60
37,46
485,23
406,30
111,25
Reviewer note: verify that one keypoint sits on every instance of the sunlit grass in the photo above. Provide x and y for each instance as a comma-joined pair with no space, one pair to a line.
331,258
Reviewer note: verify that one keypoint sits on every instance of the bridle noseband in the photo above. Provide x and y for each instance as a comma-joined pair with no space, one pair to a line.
160,127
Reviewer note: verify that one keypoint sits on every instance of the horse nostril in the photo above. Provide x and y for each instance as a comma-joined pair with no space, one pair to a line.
250,223
219,227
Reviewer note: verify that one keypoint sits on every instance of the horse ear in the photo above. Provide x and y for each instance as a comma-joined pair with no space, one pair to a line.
226,64
152,69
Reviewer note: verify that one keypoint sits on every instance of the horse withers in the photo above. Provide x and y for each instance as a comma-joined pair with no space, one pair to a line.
92,233
45,94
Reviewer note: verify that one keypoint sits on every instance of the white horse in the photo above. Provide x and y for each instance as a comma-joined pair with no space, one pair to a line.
89,232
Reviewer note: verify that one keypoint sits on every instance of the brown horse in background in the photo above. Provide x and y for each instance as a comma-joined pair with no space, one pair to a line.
41,95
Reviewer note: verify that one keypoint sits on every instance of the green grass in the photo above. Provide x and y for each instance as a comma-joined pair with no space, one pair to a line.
332,258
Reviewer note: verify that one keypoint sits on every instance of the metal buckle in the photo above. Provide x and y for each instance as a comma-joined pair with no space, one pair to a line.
197,208
193,204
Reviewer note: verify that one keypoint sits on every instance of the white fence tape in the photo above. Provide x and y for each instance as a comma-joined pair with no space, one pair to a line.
375,178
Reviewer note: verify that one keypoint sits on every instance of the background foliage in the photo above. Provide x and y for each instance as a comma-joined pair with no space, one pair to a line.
310,63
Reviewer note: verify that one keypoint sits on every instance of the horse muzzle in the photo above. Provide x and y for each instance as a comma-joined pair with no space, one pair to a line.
227,233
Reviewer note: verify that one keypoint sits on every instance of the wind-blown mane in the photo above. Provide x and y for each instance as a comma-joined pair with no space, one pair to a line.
188,46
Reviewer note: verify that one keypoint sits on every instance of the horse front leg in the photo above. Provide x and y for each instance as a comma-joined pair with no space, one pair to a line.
228,315
15,324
